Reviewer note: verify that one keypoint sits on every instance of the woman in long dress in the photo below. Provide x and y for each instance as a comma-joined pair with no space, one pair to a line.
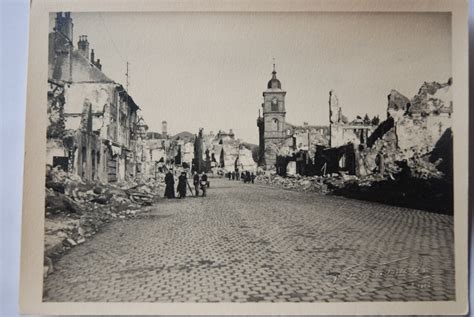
182,182
169,181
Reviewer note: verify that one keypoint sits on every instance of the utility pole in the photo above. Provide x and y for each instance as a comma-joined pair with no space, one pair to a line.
127,76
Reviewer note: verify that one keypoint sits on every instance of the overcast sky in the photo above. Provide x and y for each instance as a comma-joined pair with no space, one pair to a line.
209,69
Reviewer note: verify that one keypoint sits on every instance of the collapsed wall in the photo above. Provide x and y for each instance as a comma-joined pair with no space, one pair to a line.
414,129
226,153
233,154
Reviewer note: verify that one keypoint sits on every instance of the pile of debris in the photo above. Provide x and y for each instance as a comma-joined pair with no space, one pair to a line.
296,182
418,185
75,210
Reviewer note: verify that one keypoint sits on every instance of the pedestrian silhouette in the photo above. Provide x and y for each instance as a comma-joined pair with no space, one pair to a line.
182,183
204,184
169,181
196,183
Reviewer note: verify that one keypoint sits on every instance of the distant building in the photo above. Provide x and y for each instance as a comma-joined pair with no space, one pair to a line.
164,129
221,153
164,151
276,136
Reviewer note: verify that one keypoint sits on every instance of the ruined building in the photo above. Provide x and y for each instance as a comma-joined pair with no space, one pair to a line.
343,132
416,131
416,134
222,152
278,137
163,151
92,129
155,154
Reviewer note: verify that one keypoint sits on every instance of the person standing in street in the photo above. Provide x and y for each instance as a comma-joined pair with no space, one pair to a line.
252,177
204,184
182,183
169,181
247,177
196,183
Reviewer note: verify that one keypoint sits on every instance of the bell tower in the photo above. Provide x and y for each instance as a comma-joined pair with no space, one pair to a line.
272,123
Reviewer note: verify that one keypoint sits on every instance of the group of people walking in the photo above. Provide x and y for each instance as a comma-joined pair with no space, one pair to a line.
246,176
199,182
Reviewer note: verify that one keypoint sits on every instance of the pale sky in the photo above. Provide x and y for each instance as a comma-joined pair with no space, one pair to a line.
209,69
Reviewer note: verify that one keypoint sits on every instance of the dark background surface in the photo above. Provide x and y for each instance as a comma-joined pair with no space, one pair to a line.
13,69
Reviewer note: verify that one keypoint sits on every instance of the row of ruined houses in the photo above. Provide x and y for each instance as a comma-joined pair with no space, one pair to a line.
94,129
414,129
223,152
209,153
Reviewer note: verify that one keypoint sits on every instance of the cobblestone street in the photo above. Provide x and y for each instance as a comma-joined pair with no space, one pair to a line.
248,243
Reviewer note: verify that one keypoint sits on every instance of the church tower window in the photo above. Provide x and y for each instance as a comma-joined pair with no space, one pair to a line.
275,104
276,125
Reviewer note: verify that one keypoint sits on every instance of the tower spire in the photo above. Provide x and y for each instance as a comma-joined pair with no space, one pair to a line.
274,71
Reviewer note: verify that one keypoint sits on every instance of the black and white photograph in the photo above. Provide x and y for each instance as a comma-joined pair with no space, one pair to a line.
249,157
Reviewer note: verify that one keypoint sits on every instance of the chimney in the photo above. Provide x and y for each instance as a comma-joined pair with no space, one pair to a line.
98,64
64,24
83,46
92,56
164,128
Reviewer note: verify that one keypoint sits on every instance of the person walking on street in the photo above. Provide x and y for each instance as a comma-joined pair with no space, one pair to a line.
247,177
169,181
196,183
182,183
204,184
233,175
252,177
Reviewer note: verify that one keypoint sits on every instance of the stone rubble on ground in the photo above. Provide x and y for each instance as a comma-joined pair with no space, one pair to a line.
297,182
420,168
75,210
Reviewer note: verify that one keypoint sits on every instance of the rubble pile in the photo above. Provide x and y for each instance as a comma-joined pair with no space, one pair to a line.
75,210
414,183
297,182
321,184
416,158
421,126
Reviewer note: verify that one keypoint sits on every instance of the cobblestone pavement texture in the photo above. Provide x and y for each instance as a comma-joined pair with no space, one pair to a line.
252,243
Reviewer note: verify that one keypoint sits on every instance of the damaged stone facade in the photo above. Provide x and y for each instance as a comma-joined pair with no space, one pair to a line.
343,132
416,135
224,153
162,151
92,119
276,136
210,153
413,133
406,161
